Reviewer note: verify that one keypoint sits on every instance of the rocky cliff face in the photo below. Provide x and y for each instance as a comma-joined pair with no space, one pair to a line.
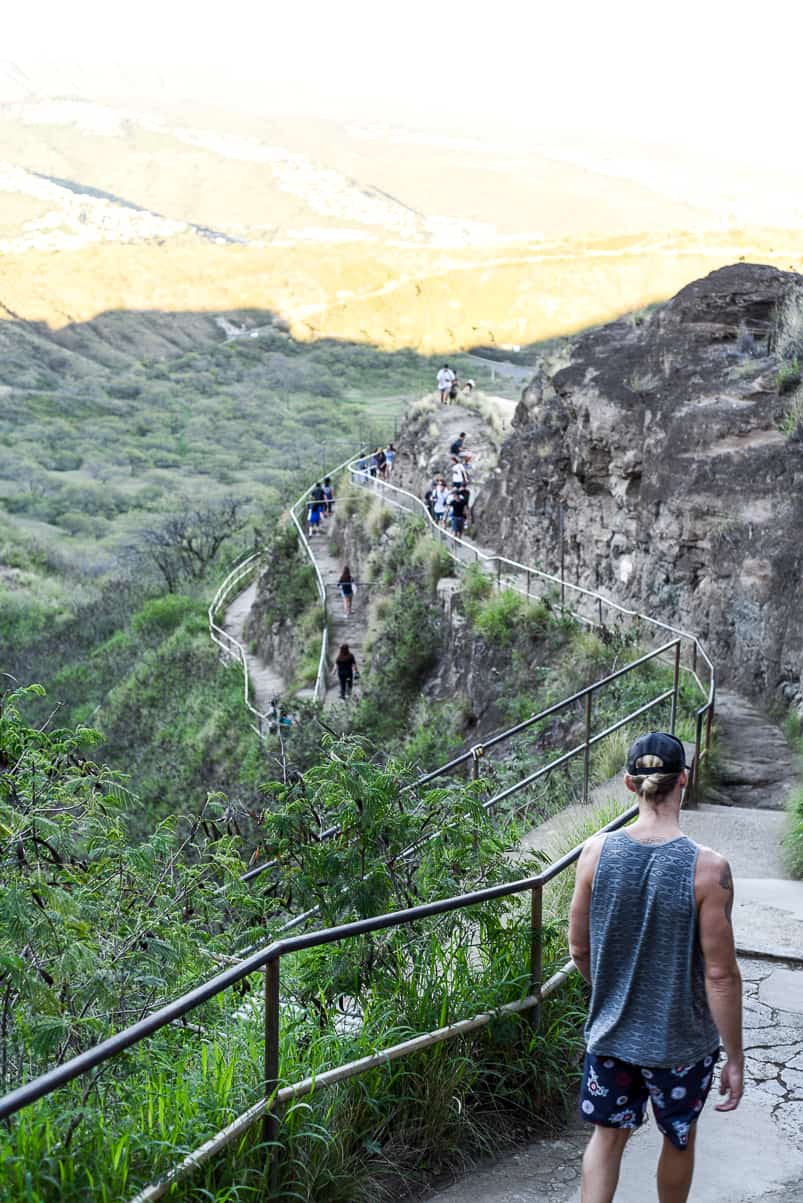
661,440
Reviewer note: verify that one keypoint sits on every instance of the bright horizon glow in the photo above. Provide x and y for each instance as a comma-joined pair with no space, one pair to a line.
710,75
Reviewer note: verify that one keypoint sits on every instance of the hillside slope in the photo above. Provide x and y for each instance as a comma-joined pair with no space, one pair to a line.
673,446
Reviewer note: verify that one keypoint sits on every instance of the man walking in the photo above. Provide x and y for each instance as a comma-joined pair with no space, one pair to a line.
650,929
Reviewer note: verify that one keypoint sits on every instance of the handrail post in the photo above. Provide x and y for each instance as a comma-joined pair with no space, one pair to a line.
498,573
270,1120
692,789
477,753
528,582
536,949
675,683
562,523
587,748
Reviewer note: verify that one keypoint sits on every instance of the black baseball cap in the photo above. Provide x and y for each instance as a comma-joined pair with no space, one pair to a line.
667,747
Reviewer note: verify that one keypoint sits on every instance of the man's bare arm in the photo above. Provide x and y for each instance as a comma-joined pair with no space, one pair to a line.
723,981
579,935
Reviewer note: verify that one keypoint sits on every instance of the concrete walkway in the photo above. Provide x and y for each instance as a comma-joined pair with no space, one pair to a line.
351,630
266,683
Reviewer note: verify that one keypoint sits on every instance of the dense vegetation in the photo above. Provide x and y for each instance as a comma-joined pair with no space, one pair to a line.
125,477
96,931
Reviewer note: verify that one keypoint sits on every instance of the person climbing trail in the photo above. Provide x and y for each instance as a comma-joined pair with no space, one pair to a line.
390,456
313,516
329,497
381,463
650,930
346,669
346,586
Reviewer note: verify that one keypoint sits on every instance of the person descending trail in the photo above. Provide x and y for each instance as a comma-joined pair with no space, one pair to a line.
440,501
390,455
381,463
458,448
446,379
346,586
650,930
460,474
346,669
458,505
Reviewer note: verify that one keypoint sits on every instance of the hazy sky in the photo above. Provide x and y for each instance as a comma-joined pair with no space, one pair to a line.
704,72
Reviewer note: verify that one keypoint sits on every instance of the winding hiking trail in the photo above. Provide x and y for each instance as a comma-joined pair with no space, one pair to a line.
754,1155
266,682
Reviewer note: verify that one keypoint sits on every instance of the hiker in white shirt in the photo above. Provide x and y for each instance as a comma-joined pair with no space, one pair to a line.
446,378
460,474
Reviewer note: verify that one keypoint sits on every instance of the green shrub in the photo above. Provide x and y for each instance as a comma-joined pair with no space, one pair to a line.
793,840
788,376
432,559
161,615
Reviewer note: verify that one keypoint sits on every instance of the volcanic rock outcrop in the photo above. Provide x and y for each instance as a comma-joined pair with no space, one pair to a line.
666,440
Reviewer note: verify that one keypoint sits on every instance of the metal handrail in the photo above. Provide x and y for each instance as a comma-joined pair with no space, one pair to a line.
230,646
23,1096
454,545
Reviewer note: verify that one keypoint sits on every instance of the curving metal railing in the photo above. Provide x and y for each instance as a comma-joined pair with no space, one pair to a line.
585,605
231,647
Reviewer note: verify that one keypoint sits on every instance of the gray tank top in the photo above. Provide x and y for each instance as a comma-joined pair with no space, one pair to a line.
648,1002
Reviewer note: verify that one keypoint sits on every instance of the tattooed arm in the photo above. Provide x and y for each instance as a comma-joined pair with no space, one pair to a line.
723,981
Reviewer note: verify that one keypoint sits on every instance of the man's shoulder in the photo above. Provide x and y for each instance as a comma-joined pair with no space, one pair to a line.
712,867
589,857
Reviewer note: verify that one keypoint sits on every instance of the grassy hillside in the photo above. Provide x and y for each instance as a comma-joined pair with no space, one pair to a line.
110,458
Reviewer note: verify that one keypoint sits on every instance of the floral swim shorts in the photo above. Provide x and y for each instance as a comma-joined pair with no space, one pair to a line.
614,1094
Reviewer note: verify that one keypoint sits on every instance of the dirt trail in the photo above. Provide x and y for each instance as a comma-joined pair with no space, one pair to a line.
266,683
341,629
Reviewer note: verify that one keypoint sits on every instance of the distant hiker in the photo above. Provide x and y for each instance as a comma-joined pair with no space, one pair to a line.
346,668
460,474
316,492
457,511
466,495
469,387
429,498
372,464
314,509
390,455
454,388
445,380
346,586
458,448
650,930
329,497
381,462
440,501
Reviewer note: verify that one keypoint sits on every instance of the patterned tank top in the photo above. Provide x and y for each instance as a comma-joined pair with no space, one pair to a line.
648,1001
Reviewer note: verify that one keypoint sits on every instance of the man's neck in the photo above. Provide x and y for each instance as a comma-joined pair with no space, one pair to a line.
656,825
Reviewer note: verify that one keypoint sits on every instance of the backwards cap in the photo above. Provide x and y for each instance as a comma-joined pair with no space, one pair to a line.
667,748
